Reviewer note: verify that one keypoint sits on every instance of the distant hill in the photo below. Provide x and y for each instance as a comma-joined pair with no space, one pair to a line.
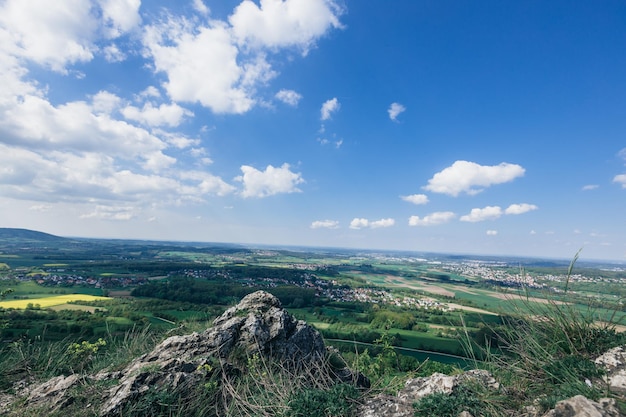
7,233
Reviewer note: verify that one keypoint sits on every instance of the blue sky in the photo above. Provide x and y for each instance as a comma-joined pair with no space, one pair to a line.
447,126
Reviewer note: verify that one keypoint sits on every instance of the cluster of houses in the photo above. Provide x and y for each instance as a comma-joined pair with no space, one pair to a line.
378,296
69,279
492,274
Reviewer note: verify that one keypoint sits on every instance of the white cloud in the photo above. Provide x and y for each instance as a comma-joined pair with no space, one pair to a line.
622,154
620,179
482,214
329,107
50,33
166,114
394,110
284,23
181,142
289,97
590,187
416,198
200,7
433,219
186,55
325,224
360,223
35,123
40,207
269,182
520,208
492,232
120,16
88,177
111,213
150,91
233,52
382,223
105,102
113,54
472,178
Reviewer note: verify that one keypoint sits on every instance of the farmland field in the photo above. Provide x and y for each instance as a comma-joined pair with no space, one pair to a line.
45,302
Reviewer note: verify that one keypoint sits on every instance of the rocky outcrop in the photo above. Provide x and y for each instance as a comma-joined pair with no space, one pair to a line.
614,362
401,405
258,325
580,406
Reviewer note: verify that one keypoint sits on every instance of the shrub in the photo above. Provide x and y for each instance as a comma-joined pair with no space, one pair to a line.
463,398
338,401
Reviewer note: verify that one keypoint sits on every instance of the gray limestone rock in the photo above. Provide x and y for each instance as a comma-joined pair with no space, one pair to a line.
614,362
401,405
257,325
580,406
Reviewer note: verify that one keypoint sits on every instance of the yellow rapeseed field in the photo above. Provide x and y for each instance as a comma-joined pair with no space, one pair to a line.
45,302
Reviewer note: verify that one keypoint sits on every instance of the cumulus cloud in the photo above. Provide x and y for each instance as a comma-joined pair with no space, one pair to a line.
35,123
113,54
90,177
482,214
620,179
164,115
382,223
495,212
472,178
492,232
520,208
433,219
325,224
289,97
105,102
111,152
60,33
394,110
269,182
233,52
329,107
416,199
120,16
111,213
186,54
53,34
590,187
200,7
360,223
284,23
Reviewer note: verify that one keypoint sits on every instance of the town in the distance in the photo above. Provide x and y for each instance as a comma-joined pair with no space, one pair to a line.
61,286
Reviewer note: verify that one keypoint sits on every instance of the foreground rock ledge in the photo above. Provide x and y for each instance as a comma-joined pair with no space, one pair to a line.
257,325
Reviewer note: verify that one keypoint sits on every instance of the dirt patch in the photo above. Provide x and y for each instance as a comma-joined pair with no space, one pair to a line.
120,293
403,283
76,307
470,309
517,297
466,290
433,289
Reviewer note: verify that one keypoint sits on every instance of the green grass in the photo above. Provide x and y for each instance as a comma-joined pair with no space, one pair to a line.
544,352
